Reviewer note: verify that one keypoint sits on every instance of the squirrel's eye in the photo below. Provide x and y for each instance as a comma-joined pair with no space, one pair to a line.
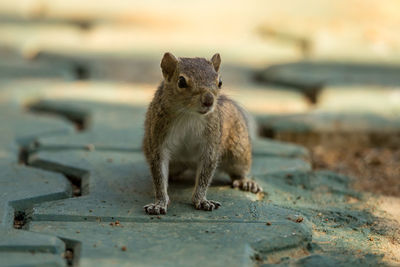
220,83
182,82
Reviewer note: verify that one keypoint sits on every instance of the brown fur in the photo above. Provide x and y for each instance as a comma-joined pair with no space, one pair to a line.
181,132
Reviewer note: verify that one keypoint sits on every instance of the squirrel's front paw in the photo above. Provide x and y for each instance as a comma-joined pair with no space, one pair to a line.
247,185
208,205
156,208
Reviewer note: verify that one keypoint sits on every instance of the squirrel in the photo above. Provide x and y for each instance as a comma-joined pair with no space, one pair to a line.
190,124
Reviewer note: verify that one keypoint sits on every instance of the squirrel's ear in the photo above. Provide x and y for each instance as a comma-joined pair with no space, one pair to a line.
168,65
216,61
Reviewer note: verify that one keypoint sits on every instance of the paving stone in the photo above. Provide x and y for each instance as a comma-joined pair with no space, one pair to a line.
353,115
23,128
122,161
379,100
18,69
132,185
23,241
123,122
33,186
267,99
95,211
122,186
320,121
30,259
332,30
118,191
119,185
331,261
336,30
99,176
172,242
27,39
21,187
128,51
30,91
310,77
256,99
308,189
269,147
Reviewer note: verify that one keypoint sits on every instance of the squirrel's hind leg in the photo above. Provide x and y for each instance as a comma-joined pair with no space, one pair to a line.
246,184
239,180
236,162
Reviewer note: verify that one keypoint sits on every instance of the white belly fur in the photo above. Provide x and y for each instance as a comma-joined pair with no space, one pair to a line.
185,141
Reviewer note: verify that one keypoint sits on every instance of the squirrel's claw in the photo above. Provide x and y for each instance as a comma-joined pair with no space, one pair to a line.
155,209
207,205
247,185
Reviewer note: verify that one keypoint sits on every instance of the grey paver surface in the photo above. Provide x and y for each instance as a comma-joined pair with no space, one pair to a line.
309,73
21,187
73,179
82,194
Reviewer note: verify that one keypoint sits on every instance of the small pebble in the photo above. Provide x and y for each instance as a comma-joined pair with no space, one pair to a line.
90,147
299,219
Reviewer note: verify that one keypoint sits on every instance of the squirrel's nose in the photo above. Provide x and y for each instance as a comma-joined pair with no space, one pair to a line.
208,100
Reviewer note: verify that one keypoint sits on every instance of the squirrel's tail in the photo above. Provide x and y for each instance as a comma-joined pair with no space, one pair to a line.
251,122
253,126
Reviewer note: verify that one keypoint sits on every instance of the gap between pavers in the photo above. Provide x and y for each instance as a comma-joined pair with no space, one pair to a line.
21,187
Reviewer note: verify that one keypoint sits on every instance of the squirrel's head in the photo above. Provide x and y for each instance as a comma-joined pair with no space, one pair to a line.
194,83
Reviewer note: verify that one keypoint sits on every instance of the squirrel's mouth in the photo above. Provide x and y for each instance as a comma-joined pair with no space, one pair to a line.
205,111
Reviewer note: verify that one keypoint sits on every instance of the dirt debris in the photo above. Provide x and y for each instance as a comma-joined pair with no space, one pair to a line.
372,169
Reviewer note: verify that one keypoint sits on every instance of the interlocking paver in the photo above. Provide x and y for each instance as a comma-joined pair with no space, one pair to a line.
78,184
329,122
21,187
33,186
108,223
311,77
322,73
343,114
379,100
30,259
119,186
170,243
117,151
105,161
24,128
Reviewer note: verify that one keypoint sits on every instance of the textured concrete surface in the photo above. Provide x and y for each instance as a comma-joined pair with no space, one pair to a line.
80,201
354,115
21,187
75,78
350,30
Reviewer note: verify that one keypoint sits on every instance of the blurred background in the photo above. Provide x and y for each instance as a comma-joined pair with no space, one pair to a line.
321,73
